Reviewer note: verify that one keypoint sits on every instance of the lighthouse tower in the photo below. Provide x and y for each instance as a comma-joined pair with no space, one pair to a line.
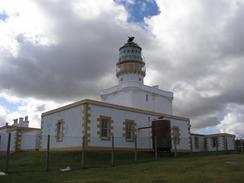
130,66
131,91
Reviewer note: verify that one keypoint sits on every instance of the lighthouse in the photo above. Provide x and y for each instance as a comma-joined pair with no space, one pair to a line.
130,65
131,90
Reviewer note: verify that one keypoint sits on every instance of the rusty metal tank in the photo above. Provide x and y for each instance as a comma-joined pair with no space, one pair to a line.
162,132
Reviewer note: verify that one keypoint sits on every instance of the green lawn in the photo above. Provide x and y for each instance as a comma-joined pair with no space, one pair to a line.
186,168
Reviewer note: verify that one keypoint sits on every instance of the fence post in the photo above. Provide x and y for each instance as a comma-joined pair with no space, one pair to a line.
112,155
206,144
241,145
236,147
135,150
83,153
47,156
225,144
175,149
217,144
155,147
8,153
0,141
191,145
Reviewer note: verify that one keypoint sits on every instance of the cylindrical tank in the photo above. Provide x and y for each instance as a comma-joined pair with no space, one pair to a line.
161,131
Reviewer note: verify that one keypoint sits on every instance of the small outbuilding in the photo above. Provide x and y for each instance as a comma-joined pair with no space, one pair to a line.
213,142
22,136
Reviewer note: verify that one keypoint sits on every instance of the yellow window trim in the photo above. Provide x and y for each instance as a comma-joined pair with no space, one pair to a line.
126,123
59,137
109,118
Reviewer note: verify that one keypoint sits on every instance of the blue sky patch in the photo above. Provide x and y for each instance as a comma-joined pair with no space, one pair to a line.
208,130
139,9
3,16
9,106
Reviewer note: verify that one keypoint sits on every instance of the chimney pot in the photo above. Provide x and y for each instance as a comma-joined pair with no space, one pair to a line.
20,120
15,121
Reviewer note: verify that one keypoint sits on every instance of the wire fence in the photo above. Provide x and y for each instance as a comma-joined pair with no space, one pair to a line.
52,153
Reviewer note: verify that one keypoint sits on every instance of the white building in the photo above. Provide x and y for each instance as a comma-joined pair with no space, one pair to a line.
125,112
130,113
98,121
22,136
131,90
213,142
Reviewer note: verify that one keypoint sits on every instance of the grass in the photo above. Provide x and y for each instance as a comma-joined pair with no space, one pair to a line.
197,168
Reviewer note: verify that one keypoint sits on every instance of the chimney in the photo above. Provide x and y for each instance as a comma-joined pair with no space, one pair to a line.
15,122
26,122
21,121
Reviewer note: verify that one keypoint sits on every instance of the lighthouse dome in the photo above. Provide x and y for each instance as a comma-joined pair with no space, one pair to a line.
130,51
130,65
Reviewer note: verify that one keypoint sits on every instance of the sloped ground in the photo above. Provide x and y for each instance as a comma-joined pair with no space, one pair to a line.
197,168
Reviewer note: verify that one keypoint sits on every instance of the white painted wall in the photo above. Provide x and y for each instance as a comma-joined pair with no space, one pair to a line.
221,143
72,128
118,117
220,147
142,120
123,97
185,143
201,147
30,140
130,77
4,139
230,142
133,94
155,102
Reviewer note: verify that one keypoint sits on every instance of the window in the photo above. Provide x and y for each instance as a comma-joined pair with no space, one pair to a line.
105,128
225,143
205,144
214,141
60,129
129,130
176,134
105,125
196,142
146,97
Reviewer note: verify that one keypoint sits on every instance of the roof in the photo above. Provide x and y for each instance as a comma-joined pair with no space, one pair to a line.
214,135
19,128
114,106
3,127
198,134
137,85
130,44
220,134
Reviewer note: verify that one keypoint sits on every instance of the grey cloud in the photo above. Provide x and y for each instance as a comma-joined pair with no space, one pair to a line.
207,55
84,56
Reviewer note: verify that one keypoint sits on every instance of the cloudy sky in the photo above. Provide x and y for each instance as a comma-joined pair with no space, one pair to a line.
54,52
